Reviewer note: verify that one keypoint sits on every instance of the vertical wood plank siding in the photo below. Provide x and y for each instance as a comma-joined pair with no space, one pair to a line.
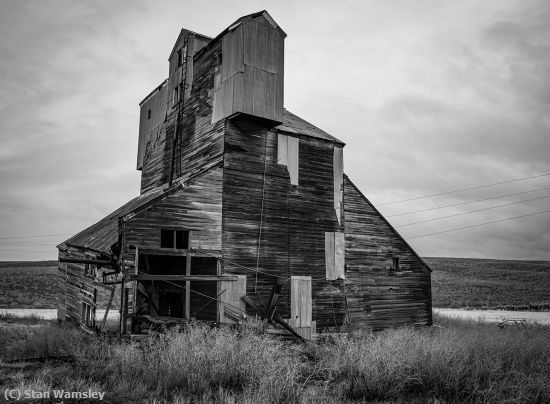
295,218
379,297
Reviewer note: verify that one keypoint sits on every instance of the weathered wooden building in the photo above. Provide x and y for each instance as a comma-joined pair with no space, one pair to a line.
244,208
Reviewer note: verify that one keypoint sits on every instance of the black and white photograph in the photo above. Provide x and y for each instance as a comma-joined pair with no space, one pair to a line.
275,202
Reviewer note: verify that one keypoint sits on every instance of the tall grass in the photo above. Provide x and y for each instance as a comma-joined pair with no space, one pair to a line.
462,362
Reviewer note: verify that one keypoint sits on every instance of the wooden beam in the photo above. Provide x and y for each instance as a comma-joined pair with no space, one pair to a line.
85,261
183,278
188,289
180,252
108,308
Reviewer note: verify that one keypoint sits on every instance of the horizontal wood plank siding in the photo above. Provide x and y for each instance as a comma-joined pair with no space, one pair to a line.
379,297
196,207
295,218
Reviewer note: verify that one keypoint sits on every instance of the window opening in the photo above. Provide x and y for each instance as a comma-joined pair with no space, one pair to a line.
174,239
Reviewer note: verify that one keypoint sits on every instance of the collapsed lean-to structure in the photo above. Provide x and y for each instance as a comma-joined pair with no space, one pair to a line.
244,208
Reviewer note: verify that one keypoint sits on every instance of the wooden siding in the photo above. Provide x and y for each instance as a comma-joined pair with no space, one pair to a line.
295,218
378,296
252,72
200,143
77,288
151,117
196,207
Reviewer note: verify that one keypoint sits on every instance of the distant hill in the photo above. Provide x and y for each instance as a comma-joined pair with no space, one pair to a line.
490,283
456,282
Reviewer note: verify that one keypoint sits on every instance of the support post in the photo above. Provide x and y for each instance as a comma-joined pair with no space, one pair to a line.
188,289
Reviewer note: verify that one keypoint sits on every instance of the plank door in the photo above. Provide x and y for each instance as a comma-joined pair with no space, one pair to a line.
232,308
300,305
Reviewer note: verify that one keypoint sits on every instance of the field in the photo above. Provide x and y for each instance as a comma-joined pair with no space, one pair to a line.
456,283
32,285
490,284
452,362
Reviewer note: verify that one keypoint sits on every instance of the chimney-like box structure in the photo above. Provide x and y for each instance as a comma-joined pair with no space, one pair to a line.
252,70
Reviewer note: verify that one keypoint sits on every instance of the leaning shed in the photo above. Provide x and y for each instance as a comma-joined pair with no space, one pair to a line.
244,209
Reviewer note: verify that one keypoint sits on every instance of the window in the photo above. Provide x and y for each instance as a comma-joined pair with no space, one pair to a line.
174,239
176,96
395,264
217,69
149,114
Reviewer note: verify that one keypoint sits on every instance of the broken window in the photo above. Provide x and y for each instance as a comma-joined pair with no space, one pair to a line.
149,114
176,95
174,239
287,155
217,69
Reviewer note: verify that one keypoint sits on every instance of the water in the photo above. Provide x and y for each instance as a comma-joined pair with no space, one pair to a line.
541,317
51,314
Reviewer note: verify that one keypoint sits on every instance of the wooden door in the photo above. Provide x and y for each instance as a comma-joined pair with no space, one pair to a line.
300,305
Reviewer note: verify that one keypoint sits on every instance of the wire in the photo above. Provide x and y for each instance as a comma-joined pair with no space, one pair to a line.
29,250
43,235
242,266
479,224
261,218
472,211
464,189
466,203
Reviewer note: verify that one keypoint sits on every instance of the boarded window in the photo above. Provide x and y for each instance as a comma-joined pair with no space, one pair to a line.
287,155
232,307
335,250
338,168
300,305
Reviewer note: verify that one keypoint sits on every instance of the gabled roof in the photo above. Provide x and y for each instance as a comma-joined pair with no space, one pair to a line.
242,20
296,125
100,236
186,31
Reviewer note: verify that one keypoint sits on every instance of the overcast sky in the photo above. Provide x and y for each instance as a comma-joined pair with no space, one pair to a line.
429,96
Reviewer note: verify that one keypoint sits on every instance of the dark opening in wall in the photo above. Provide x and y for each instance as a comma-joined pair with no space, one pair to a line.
174,239
395,263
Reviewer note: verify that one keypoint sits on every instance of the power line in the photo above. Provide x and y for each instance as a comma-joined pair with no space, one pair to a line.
479,224
472,211
42,235
463,189
466,203
29,250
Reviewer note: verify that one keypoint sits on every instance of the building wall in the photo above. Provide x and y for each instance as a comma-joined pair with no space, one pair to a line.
378,296
295,217
151,117
199,143
79,283
252,71
196,207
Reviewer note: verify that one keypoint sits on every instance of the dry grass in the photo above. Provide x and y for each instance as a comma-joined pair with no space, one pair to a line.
462,362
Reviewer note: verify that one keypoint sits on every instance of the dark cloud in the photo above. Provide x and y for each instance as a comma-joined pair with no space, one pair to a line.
429,97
